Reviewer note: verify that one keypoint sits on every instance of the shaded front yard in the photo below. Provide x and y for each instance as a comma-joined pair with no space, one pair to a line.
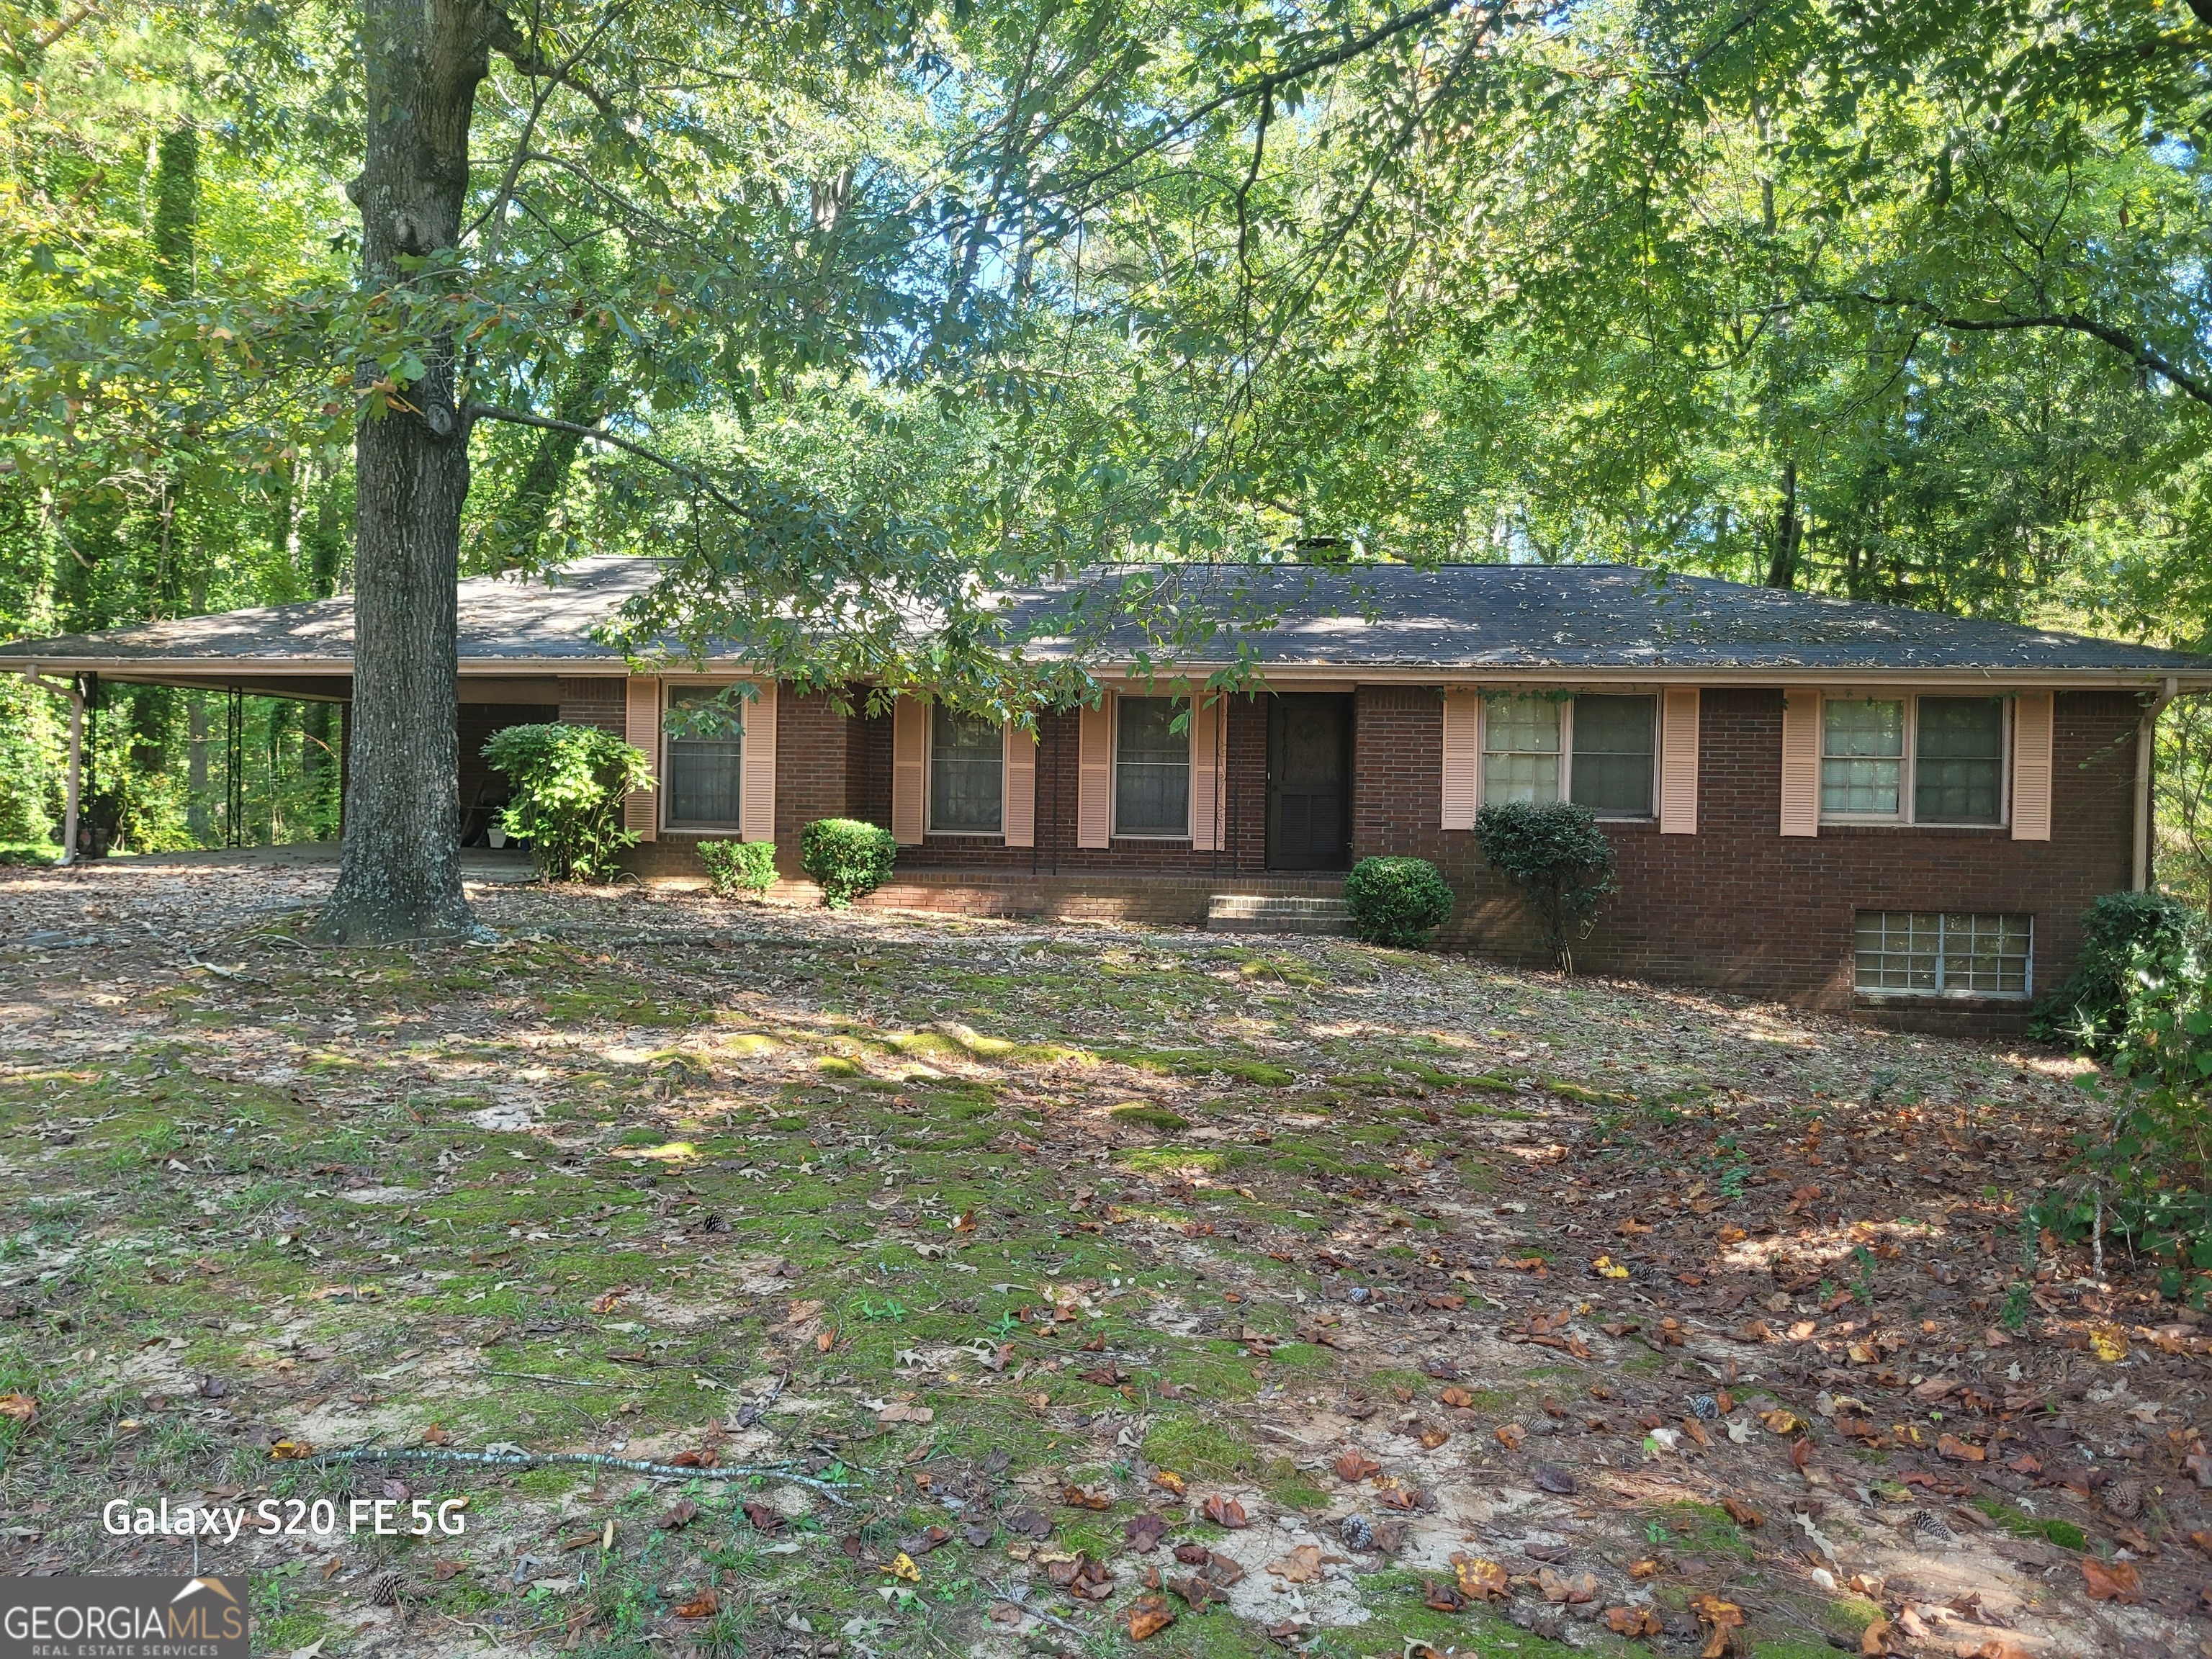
932,1287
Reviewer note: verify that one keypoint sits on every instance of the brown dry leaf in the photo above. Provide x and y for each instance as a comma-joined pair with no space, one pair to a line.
1431,1437
1082,1498
1958,1450
441,1571
1696,1431
825,1341
900,1412
437,1435
679,1514
1644,1568
2108,1342
1801,1455
1779,1421
705,1605
1511,1436
1168,1480
1633,1621
1560,1589
1200,1592
1225,1512
18,1407
2117,1583
1148,1616
1441,1598
608,1303
1301,1566
1456,1397
1742,1513
1481,1580
1875,1638
1356,1465
1142,1533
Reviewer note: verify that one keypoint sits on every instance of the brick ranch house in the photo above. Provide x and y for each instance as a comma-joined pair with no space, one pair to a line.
1839,804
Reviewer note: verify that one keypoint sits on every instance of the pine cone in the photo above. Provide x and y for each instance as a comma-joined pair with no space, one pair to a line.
2124,1499
383,1589
1932,1529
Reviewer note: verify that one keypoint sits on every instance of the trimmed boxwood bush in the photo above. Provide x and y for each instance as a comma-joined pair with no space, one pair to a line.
739,867
848,859
1558,858
569,781
1397,901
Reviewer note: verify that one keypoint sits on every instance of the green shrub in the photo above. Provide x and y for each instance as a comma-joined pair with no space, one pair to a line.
569,781
1558,858
2145,1176
848,858
1397,901
739,867
2089,1010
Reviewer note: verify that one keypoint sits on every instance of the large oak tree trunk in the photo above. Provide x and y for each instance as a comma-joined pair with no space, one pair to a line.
399,872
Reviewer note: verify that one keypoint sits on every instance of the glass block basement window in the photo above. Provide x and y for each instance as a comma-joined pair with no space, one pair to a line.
1944,953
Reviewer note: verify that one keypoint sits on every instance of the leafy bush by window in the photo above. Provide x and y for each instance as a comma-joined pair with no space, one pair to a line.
2146,1181
1397,901
739,867
2089,1010
1556,855
848,858
569,781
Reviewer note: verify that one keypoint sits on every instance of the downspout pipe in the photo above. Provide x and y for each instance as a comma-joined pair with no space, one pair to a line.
2146,743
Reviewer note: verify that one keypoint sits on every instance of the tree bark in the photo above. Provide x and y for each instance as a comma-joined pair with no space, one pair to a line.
399,872
1789,532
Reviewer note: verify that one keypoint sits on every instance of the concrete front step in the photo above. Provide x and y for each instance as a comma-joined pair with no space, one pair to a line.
1269,913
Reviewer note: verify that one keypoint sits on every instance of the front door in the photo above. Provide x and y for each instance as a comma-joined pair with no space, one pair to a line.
1308,782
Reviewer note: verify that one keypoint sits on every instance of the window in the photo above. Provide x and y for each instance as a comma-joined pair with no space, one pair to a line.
966,774
1613,744
1944,954
1861,758
703,733
1913,760
1960,774
1520,750
1151,769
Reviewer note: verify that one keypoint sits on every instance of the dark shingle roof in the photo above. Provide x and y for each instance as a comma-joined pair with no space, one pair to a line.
1470,617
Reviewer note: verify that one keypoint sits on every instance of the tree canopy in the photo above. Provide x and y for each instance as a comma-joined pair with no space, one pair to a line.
857,311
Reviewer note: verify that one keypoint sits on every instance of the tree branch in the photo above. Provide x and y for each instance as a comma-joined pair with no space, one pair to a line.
508,41
475,412
2137,351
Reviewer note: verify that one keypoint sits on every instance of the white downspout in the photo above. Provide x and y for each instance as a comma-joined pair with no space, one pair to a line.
2146,742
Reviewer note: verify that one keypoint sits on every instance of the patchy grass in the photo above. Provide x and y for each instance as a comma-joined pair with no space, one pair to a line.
868,1203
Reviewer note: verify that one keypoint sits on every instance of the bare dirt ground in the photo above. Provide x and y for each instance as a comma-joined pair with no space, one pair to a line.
912,1285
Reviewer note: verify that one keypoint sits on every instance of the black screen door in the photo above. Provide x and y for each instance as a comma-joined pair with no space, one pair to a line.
1308,782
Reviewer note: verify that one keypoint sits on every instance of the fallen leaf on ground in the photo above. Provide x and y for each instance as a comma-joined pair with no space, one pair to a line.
1742,1513
1720,1618
1143,1532
1301,1566
1511,1436
705,1605
1633,1621
1958,1450
899,1411
1149,1616
1483,1581
2117,1583
1560,1589
18,1407
1224,1512
679,1514
1356,1465
1082,1498
903,1566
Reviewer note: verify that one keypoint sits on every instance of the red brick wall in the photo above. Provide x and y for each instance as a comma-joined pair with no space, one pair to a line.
598,701
1735,906
1739,906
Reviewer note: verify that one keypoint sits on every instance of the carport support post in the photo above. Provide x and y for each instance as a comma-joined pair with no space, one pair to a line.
73,785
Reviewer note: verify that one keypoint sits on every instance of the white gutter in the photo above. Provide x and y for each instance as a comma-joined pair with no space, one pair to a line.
2146,743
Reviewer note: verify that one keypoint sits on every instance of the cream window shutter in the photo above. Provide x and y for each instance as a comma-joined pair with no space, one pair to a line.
757,795
1678,763
1800,764
642,729
1017,804
910,770
2032,719
1094,774
1208,721
1462,761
